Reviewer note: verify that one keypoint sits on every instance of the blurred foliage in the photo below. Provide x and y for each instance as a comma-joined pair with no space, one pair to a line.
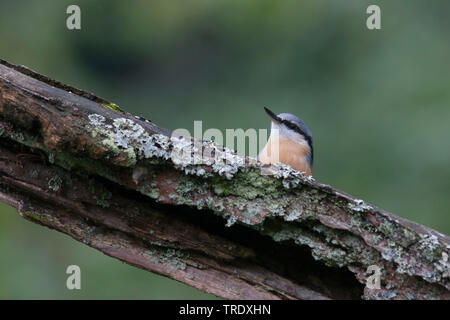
377,102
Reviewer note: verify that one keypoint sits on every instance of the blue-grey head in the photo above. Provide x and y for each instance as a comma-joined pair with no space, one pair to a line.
292,127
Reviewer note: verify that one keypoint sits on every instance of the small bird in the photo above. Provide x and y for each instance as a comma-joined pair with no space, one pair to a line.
290,135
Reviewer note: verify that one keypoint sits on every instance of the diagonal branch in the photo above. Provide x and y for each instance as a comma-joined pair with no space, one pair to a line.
78,164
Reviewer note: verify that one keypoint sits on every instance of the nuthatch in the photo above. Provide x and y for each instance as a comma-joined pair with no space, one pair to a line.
294,142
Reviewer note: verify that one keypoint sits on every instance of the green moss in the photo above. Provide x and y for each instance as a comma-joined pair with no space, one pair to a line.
48,220
112,106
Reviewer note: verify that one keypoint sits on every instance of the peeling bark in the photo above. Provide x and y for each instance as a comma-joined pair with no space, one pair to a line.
79,164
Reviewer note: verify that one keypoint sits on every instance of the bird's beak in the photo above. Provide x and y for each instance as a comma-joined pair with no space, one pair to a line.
272,115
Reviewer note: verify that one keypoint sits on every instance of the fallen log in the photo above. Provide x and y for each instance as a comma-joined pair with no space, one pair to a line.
81,165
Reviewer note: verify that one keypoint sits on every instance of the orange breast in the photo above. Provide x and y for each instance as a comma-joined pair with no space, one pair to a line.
289,152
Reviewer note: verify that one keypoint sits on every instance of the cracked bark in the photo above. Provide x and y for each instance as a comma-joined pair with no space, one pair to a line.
78,164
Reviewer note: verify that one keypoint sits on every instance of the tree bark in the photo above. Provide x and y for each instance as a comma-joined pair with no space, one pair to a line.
79,164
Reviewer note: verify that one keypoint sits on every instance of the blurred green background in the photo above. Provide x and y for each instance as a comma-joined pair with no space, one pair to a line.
377,103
